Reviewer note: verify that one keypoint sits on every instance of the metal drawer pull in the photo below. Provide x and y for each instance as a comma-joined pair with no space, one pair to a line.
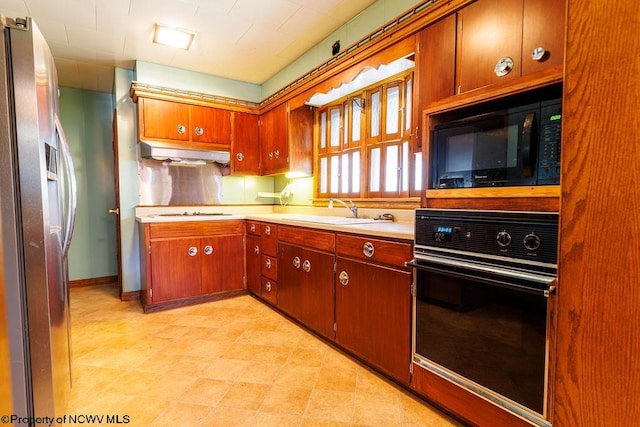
267,230
267,286
208,250
276,154
503,67
306,265
344,278
192,251
368,249
240,157
256,249
181,129
267,264
252,228
296,262
199,131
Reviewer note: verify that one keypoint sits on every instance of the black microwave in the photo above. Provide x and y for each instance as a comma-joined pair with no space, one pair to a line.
514,147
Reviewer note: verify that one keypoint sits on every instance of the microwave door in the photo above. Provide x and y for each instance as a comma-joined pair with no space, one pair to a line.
454,156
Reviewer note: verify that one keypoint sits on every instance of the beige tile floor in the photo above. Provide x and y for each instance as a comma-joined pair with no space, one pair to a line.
234,363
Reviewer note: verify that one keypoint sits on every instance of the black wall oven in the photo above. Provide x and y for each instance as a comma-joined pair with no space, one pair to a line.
483,282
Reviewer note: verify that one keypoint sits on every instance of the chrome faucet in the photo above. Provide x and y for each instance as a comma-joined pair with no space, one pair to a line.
353,208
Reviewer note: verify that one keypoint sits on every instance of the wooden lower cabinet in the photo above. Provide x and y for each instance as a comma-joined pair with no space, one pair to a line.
306,285
187,262
373,315
222,266
175,273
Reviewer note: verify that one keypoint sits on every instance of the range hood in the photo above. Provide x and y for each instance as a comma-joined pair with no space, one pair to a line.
181,154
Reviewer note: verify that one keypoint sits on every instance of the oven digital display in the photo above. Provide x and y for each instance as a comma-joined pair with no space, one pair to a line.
442,233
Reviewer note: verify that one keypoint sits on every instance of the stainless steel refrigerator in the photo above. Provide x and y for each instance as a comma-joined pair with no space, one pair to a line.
37,211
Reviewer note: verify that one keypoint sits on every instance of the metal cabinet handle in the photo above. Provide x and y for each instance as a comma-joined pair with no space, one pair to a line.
267,230
252,228
296,262
306,265
208,250
181,129
267,286
276,154
368,249
256,249
199,131
271,155
240,157
267,264
503,66
538,54
192,251
344,278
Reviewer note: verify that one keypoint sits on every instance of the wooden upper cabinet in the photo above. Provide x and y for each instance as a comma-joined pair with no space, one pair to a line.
245,144
543,27
163,120
489,31
210,125
178,122
273,139
286,139
435,68
497,39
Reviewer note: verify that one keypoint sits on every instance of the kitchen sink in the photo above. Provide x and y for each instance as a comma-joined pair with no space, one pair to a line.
334,220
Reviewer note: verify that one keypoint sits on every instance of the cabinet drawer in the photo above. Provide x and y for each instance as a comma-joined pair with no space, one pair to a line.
253,228
269,290
194,228
321,240
269,234
383,251
269,267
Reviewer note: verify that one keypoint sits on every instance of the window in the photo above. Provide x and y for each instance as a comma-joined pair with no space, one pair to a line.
364,143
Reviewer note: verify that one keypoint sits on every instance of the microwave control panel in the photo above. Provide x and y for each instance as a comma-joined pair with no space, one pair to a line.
549,150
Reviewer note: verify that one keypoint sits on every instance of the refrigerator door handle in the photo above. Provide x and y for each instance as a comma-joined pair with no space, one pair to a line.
71,198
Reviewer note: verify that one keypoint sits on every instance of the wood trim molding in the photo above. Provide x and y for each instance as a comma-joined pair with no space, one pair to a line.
130,296
94,281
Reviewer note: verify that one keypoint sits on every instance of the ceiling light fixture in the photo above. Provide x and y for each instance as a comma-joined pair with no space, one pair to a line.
173,37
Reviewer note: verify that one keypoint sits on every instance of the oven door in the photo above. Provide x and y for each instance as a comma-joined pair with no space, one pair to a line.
485,329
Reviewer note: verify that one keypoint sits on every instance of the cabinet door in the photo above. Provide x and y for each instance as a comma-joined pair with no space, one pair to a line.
164,119
373,315
542,27
245,147
289,280
435,68
488,30
222,263
210,125
316,291
253,264
305,286
273,140
175,269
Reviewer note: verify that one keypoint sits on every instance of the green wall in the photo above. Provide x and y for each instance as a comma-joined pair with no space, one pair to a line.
86,119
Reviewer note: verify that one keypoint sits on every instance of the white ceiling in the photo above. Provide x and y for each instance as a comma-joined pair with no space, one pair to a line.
246,40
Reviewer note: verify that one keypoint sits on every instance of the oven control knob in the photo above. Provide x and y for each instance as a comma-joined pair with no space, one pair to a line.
531,242
504,239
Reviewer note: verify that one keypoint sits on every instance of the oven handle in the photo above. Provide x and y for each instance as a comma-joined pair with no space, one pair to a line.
548,282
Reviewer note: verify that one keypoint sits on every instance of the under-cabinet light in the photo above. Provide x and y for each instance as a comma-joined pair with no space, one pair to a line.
172,37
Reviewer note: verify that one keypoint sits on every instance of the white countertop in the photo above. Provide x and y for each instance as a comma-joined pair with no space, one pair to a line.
363,226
